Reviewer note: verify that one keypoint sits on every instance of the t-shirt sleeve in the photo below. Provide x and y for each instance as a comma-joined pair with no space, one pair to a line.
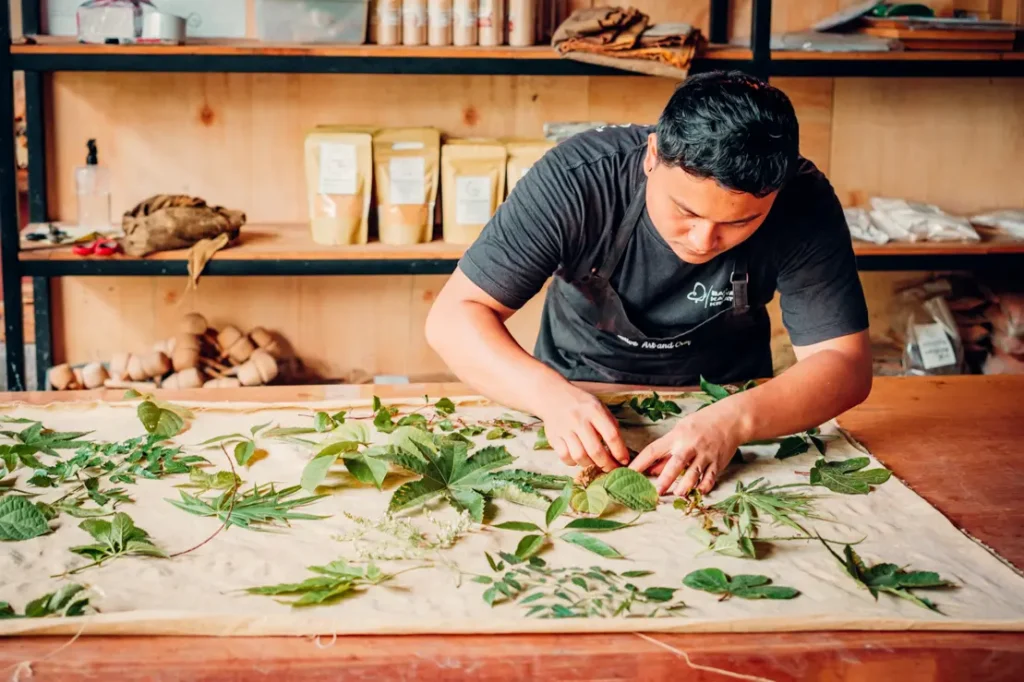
821,294
529,236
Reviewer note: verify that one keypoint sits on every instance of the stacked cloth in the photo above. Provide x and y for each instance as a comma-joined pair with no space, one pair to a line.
625,38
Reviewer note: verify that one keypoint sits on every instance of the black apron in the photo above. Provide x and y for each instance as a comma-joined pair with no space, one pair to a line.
589,336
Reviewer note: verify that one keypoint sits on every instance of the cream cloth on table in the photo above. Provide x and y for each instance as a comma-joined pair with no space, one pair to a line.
199,593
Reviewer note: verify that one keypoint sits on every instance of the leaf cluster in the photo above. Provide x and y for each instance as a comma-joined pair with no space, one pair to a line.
715,581
577,531
159,417
574,592
849,476
68,601
368,466
245,447
115,538
332,582
37,438
711,392
888,578
20,519
650,408
255,508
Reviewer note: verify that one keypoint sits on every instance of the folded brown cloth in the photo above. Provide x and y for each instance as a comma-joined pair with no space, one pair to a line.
623,38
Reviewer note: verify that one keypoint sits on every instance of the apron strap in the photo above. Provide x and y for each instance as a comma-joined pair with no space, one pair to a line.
623,234
740,280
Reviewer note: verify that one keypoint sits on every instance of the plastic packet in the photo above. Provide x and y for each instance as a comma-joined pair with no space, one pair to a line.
1009,220
861,227
911,221
932,344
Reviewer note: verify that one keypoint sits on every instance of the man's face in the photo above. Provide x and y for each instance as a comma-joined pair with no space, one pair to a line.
699,218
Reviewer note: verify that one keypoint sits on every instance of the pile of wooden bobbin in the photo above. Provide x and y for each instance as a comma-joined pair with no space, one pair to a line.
197,356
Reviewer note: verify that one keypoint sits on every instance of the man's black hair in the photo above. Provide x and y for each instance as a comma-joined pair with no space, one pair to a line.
731,127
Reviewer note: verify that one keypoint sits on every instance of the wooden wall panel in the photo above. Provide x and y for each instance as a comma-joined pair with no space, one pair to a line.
955,143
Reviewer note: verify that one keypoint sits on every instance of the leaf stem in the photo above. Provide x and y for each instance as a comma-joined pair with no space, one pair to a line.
227,518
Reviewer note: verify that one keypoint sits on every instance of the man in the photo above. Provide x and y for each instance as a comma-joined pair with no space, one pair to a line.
665,244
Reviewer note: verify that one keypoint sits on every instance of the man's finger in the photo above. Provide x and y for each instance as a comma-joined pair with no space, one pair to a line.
608,428
707,482
673,467
577,451
654,451
595,448
657,468
563,451
693,474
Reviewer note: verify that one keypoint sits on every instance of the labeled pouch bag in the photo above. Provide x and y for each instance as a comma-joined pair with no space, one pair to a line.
522,154
473,184
339,173
406,172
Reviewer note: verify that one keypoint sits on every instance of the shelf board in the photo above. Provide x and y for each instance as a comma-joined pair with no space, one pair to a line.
246,56
289,250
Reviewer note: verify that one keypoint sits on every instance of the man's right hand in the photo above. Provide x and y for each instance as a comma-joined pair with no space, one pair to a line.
581,429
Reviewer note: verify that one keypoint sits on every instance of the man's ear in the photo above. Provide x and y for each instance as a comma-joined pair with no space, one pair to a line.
651,157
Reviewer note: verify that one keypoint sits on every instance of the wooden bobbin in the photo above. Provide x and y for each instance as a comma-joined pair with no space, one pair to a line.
61,377
136,372
166,346
193,323
223,382
155,364
234,345
79,379
117,368
187,378
265,340
184,358
260,369
93,375
140,386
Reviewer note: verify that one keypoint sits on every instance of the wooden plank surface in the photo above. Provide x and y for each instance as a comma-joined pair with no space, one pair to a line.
954,440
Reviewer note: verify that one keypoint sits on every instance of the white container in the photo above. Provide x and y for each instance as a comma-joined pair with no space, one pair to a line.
464,17
389,22
521,17
312,21
439,22
491,22
414,22
92,189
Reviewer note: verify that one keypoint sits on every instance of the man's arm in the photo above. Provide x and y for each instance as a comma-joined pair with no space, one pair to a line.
537,228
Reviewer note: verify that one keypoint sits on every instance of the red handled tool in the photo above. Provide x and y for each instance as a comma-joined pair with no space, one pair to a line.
100,247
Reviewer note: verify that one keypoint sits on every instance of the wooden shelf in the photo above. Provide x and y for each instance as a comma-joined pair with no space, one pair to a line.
288,250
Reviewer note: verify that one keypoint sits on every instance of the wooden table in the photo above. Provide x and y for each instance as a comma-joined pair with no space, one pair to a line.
956,441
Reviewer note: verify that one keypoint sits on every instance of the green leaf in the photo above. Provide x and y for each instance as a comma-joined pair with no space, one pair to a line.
367,468
417,420
519,525
533,479
322,422
848,477
595,524
591,500
495,566
159,421
405,439
221,439
529,546
659,594
636,574
791,447
286,431
473,430
415,493
592,544
444,406
518,493
557,506
819,444
131,394
468,500
498,433
377,405
382,420
315,471
715,581
20,519
714,390
542,440
631,489
261,505
483,580
244,452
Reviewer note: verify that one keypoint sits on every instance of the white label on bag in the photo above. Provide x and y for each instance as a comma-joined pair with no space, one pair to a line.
338,168
933,343
472,199
407,186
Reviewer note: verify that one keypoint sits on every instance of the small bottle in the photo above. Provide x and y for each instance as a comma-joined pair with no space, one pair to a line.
92,184
464,17
414,22
521,17
491,23
439,22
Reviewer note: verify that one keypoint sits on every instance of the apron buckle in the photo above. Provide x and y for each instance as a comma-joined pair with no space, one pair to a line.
739,282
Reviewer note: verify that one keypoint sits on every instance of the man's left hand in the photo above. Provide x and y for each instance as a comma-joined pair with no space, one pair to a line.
701,445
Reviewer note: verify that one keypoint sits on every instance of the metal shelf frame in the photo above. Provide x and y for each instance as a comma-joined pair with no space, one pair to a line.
37,65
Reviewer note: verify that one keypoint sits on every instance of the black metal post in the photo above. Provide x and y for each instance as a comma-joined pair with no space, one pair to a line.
14,325
31,24
718,30
761,36
44,330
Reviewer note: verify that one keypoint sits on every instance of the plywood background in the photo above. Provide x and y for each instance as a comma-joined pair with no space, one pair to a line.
236,139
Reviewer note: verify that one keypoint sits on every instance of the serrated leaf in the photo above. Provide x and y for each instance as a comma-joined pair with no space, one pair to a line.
847,477
593,499
591,544
367,468
791,447
444,406
415,493
472,430
383,421
405,439
20,519
322,422
519,493
631,489
529,546
534,479
468,500
715,581
498,433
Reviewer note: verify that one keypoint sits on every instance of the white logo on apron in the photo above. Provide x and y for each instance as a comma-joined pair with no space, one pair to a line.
654,345
711,298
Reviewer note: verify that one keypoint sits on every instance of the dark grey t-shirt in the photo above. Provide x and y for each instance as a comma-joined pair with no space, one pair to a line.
558,211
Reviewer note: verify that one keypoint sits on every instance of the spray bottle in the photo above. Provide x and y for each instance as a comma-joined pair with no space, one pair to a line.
92,184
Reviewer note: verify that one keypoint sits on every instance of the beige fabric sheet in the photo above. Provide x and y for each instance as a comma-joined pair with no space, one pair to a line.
198,594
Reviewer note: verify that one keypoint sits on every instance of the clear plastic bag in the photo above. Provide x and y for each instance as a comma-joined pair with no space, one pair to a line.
932,344
1010,221
861,227
910,221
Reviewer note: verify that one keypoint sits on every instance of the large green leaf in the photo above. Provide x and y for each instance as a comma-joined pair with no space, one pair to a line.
848,477
20,519
715,581
405,439
593,499
316,470
530,545
591,544
631,489
159,421
518,493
